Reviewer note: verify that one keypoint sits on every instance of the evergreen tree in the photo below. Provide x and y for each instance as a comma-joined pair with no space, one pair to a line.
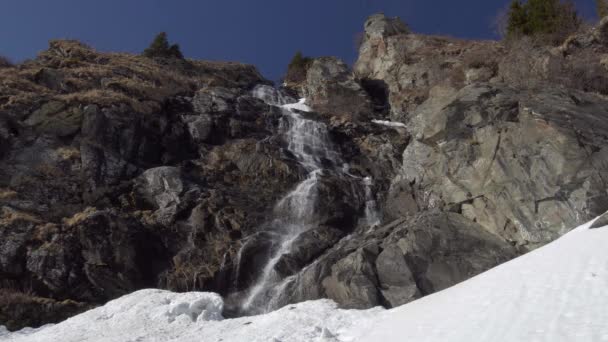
542,17
517,19
160,48
602,8
298,67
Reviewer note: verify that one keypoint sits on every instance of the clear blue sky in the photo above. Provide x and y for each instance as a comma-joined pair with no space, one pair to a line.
265,33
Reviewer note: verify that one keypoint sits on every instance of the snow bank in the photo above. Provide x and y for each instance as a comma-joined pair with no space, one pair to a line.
156,315
142,314
389,123
557,293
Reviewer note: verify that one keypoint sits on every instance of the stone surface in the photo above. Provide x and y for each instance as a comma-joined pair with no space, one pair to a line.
332,90
511,161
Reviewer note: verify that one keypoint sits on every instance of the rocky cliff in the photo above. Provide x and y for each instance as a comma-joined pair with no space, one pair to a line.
119,172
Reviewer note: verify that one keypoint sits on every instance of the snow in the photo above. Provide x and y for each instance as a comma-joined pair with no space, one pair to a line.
556,293
300,105
157,315
389,123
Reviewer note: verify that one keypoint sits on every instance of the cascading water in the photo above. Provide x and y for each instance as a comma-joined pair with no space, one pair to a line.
308,140
372,218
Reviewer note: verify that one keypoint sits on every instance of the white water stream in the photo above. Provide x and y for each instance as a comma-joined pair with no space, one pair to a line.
308,140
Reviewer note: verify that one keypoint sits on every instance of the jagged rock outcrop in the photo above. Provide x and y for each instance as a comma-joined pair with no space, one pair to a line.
108,185
526,166
521,160
401,261
332,90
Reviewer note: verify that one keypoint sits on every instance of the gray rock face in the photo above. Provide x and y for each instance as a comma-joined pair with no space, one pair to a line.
511,161
307,247
352,281
397,283
162,186
200,127
379,26
401,261
332,90
601,222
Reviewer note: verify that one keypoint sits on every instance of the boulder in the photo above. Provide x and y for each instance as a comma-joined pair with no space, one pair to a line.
162,187
396,281
332,90
307,247
353,282
399,262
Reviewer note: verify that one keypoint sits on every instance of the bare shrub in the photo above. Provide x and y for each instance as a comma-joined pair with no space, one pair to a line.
5,62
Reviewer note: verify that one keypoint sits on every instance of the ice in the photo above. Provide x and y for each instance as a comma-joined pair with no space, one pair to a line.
389,123
300,105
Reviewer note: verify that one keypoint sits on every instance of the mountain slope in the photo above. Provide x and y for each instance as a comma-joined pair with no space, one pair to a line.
556,293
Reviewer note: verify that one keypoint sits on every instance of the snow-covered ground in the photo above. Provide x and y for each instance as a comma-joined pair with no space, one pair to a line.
556,293
300,105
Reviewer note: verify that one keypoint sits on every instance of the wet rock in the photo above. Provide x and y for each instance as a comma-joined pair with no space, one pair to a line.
306,248
400,261
255,252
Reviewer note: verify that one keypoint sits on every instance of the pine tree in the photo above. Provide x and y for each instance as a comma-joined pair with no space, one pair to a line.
551,18
602,8
298,67
517,19
160,48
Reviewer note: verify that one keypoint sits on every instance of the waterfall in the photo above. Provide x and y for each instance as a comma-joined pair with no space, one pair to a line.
372,217
308,140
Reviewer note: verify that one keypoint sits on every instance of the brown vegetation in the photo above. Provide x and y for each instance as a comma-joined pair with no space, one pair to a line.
5,62
21,309
75,73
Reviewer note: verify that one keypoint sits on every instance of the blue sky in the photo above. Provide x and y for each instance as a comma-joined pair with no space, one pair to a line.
265,33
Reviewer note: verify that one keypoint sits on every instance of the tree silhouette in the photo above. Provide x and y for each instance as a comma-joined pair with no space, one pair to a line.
160,48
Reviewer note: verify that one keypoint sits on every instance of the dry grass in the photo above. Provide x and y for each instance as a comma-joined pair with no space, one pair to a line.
10,216
79,217
10,296
19,309
89,77
6,194
68,153
482,56
44,232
